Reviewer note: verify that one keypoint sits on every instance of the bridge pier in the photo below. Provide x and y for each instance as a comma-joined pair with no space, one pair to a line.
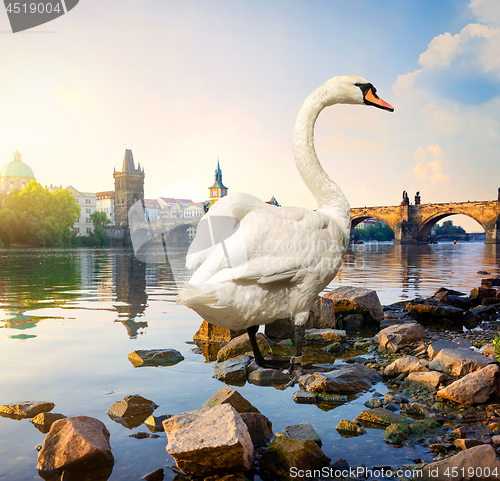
492,230
405,233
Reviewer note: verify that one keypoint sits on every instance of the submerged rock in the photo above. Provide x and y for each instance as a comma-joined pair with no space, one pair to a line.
349,429
381,416
155,423
304,397
155,357
284,453
75,443
209,441
25,409
228,395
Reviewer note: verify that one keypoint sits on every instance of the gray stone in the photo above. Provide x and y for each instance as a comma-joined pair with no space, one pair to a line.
405,365
304,397
431,379
435,347
268,376
210,441
415,408
233,370
303,431
394,338
353,322
458,361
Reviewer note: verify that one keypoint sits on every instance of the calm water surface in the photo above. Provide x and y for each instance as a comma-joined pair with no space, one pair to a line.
70,317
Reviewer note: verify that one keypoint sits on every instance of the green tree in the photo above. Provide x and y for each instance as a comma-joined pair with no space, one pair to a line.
100,221
449,229
38,217
379,232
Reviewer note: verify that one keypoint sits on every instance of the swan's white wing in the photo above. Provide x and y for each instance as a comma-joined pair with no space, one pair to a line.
219,223
272,245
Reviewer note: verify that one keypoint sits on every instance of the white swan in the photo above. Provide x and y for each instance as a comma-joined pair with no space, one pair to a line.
267,262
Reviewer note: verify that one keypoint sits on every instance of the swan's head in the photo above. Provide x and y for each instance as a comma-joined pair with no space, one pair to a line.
351,89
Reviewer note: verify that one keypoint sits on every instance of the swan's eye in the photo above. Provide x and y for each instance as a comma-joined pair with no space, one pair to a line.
357,85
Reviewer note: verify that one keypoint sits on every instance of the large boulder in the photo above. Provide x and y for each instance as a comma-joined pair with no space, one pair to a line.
405,365
25,409
75,443
356,300
284,458
435,347
396,337
458,361
351,378
474,464
227,395
473,388
210,441
211,333
321,316
155,357
241,345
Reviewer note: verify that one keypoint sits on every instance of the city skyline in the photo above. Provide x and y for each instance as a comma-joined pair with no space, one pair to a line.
187,82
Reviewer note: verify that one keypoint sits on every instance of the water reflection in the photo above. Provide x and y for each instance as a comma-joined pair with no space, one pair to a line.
130,282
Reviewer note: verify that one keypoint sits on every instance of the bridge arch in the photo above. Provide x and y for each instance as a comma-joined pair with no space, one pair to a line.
427,224
357,219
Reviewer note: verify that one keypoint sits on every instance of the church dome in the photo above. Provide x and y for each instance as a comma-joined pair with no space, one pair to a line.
17,168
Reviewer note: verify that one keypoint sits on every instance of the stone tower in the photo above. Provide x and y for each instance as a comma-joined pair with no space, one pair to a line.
129,188
218,190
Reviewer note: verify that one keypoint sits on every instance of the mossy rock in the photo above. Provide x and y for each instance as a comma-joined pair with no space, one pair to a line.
349,429
397,433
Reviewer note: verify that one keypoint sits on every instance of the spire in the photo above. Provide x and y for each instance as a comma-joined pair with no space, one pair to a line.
128,161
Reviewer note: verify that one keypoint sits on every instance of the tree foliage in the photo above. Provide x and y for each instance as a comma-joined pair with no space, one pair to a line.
99,237
36,216
447,228
379,231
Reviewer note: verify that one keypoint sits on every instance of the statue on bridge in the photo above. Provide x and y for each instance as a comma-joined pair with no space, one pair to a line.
405,200
417,198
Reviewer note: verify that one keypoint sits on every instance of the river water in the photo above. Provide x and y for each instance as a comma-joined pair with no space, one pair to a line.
70,317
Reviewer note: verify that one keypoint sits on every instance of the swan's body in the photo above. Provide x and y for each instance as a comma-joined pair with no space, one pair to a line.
276,260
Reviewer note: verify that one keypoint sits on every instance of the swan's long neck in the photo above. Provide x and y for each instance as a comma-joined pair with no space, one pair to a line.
330,198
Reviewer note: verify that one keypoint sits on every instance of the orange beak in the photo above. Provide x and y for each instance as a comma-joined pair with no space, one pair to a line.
373,99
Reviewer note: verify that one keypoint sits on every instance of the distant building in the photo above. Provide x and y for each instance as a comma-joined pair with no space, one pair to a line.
218,189
194,210
366,223
129,188
170,201
152,209
105,202
15,175
87,203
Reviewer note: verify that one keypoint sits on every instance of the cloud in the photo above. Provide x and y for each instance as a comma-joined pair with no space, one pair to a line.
430,164
486,11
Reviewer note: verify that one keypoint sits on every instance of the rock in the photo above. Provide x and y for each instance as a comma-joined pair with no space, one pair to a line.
353,322
396,433
473,388
263,376
324,336
323,397
415,408
241,345
405,365
332,348
227,395
381,417
479,293
374,403
259,428
431,379
304,397
458,362
349,429
209,441
430,309
464,444
352,378
321,316
495,439
303,431
493,281
233,370
155,357
25,409
43,421
461,432
156,475
75,443
356,300
471,461
283,454
394,338
391,398
435,347
155,423
131,405
484,311
212,333
392,322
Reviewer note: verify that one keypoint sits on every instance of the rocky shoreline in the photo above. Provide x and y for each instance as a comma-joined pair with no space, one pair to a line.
444,394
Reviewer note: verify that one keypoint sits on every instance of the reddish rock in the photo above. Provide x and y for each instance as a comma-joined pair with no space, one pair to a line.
75,443
228,395
241,345
259,428
131,405
394,338
356,300
405,365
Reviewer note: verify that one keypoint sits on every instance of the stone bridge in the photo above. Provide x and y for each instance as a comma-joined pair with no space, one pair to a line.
413,223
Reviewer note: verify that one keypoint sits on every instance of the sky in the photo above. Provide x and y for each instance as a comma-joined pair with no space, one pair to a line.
187,82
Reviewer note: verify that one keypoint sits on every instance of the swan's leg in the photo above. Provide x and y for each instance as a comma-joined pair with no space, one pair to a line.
299,341
259,358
